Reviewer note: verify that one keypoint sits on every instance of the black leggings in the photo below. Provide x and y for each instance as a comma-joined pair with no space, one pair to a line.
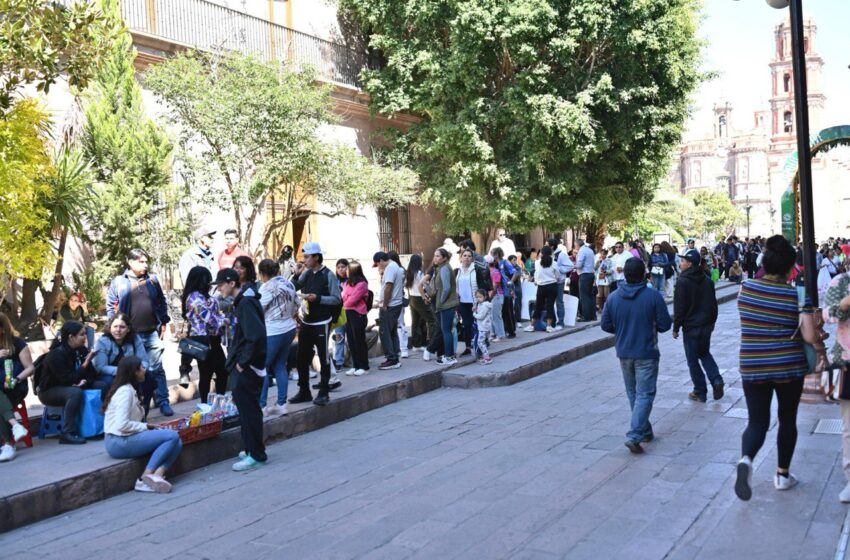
758,397
546,295
214,364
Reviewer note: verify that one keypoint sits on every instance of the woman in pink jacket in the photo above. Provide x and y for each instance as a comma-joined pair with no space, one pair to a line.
355,292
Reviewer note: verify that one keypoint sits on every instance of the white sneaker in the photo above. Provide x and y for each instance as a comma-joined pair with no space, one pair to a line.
529,328
142,487
7,453
519,325
844,496
550,328
159,484
558,328
446,361
352,371
426,355
19,432
744,482
275,410
360,372
314,374
293,374
784,482
405,354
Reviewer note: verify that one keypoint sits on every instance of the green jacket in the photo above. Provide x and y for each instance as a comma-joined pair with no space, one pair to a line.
445,285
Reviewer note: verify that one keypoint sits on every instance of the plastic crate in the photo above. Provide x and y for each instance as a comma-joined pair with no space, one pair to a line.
196,433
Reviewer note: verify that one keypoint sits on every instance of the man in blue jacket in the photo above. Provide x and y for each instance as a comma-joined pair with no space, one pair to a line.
636,314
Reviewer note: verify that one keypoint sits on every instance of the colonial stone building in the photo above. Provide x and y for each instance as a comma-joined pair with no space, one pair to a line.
744,155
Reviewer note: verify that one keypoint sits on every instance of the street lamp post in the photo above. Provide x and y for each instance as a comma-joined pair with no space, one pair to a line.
747,208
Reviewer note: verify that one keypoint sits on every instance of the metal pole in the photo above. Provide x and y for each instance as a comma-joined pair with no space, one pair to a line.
801,106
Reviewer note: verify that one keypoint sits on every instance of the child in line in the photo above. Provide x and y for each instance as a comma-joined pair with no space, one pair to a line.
483,312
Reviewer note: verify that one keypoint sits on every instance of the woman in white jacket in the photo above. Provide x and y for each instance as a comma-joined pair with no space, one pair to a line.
128,437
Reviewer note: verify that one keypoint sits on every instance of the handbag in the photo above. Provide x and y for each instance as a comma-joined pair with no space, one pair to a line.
811,328
657,270
195,348
89,418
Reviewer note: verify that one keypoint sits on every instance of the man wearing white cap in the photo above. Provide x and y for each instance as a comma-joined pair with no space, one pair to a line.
319,287
199,254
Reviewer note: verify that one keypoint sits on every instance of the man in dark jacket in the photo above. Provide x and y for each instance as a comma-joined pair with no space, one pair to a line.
246,362
695,312
731,253
636,314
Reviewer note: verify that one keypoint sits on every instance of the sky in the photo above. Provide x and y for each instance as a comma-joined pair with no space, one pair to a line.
740,45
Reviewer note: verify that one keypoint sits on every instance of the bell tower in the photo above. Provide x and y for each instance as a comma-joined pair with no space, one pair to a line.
783,133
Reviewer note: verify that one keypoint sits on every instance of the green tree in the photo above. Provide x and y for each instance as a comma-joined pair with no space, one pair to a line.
41,40
535,112
250,131
713,214
131,159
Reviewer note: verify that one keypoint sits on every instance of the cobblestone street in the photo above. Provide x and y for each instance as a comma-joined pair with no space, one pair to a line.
534,470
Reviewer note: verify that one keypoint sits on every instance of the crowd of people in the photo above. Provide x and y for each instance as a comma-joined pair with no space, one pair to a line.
254,325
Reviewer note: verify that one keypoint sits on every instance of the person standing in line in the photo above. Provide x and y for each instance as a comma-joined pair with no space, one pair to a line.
403,338
503,242
390,306
139,295
518,265
280,306
421,316
508,275
287,263
435,337
246,361
355,294
338,332
497,298
658,263
467,286
320,289
199,254
635,314
546,278
446,301
231,250
565,267
837,310
127,436
772,361
205,325
602,270
584,266
618,264
695,313
482,313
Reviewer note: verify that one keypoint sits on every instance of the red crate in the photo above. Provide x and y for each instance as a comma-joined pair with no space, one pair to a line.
197,433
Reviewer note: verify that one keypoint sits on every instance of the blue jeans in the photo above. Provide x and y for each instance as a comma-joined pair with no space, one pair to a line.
165,444
155,347
277,352
559,303
447,318
640,377
658,282
498,323
698,349
339,347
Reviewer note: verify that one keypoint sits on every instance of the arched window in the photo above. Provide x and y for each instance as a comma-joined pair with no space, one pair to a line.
786,82
721,126
788,124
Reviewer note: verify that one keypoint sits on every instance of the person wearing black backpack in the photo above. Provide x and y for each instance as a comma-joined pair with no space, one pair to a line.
319,287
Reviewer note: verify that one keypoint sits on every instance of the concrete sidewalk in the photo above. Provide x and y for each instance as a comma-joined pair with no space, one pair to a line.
34,488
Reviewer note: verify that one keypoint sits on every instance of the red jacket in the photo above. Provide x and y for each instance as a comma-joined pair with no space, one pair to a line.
354,297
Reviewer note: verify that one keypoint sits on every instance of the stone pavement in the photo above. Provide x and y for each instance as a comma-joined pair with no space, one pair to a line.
533,470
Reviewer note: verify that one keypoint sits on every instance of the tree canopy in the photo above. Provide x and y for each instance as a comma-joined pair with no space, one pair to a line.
534,112
250,130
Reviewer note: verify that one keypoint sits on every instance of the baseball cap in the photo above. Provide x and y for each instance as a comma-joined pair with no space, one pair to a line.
692,256
311,248
203,231
226,275
379,256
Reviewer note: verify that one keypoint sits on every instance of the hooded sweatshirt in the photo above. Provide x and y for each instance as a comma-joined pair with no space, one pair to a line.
248,347
694,301
636,314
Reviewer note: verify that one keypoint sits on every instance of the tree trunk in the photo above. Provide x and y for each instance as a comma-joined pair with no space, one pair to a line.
50,300
29,311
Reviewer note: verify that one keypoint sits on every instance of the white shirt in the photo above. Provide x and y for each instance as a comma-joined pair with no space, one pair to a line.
124,413
619,261
507,246
544,276
280,302
467,284
414,288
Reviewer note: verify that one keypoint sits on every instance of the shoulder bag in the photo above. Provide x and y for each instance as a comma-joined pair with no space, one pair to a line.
194,348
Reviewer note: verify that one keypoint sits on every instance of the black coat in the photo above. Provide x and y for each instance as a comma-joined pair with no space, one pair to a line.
62,367
694,301
248,347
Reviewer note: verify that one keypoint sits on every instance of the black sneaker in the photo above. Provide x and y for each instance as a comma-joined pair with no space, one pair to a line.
634,446
184,380
332,386
694,397
466,352
71,439
301,397
512,335
718,391
647,439
390,364
321,399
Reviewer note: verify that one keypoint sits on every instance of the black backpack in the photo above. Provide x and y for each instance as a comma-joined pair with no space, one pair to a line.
336,309
370,300
38,372
482,277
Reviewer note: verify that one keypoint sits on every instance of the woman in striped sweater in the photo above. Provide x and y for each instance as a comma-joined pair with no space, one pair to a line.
772,360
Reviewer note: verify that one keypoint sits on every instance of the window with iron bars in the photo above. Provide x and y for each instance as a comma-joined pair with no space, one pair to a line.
394,229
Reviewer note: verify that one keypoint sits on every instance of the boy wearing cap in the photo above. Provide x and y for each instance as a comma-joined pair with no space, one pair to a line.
319,287
695,312
199,254
636,314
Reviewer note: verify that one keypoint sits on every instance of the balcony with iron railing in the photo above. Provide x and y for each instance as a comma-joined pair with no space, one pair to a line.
204,25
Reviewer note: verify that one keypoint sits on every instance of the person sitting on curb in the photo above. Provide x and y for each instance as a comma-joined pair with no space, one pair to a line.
635,314
128,437
66,372
118,341
246,360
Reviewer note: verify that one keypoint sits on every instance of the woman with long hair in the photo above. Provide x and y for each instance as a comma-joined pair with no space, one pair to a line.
118,341
280,311
467,286
244,267
127,437
16,359
546,277
602,269
205,325
421,315
338,328
446,302
66,371
658,263
355,292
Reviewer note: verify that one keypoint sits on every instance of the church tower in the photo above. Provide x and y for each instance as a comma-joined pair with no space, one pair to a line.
783,133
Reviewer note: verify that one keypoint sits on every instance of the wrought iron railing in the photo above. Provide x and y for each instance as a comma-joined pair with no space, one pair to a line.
208,26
